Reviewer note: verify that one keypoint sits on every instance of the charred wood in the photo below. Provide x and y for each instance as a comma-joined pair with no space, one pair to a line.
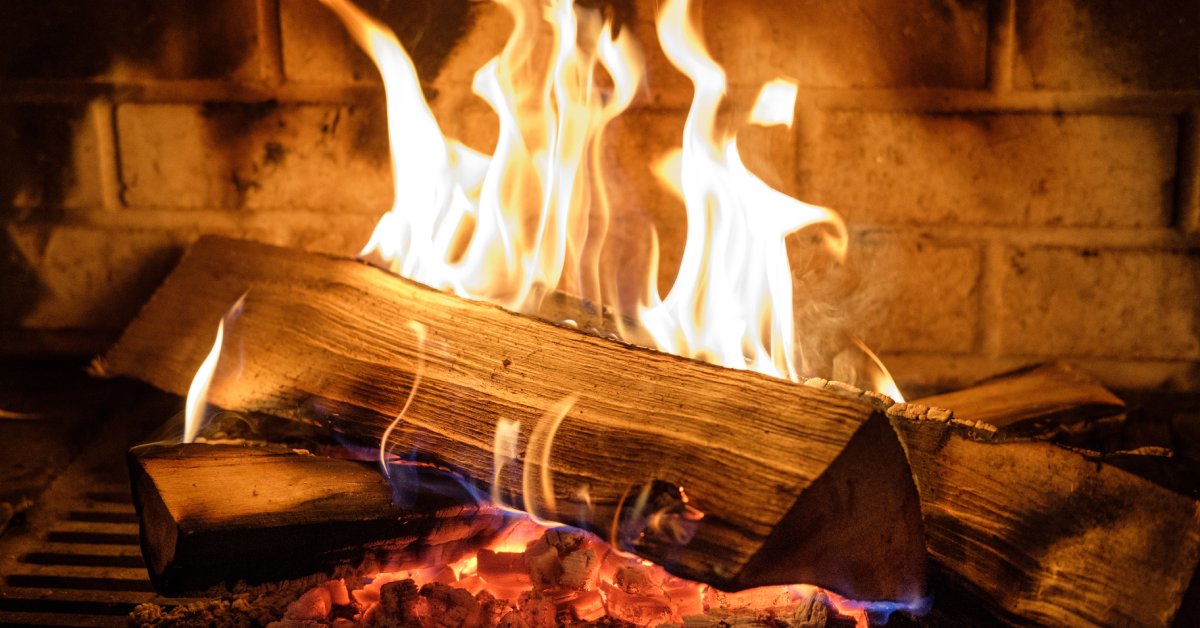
218,514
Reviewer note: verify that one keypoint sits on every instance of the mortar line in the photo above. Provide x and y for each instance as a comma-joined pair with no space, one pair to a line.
1001,45
991,298
1186,214
890,100
270,42
103,119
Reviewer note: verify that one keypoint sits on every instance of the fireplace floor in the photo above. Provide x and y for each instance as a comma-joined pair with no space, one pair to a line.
69,551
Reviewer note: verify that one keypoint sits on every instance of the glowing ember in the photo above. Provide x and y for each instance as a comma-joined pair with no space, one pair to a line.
533,575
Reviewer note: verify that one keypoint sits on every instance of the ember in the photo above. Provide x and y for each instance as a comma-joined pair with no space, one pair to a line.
543,577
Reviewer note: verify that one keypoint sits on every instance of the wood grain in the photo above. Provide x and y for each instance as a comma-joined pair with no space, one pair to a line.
1036,533
796,484
217,514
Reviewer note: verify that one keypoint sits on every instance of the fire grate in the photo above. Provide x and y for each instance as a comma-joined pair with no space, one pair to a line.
75,560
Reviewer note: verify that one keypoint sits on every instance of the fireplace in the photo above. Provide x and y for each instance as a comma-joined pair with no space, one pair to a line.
1017,182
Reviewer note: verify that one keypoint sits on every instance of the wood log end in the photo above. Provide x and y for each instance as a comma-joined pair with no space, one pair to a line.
856,530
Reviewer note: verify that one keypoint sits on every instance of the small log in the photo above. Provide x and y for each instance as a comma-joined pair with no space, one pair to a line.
1026,531
216,514
795,485
1048,401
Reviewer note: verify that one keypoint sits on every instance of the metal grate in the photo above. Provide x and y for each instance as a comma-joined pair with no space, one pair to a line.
76,560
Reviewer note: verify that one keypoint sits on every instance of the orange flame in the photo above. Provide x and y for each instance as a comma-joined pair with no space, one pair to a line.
197,397
531,218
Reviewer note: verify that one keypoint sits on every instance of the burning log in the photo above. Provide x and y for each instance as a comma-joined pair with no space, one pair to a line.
1033,532
727,477
214,514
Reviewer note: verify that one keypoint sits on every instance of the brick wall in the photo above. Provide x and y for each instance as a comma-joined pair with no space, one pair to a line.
1020,178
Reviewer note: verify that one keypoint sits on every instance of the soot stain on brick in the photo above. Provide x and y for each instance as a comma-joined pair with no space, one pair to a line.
428,29
1110,43
1017,261
68,39
242,135
36,147
21,284
273,154
371,133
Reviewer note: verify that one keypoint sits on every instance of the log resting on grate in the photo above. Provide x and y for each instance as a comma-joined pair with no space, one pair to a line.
795,484
217,514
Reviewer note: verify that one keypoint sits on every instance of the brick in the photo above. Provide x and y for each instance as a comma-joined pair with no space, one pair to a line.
1128,304
989,169
83,277
255,156
51,160
1106,44
317,49
129,39
344,236
858,43
913,293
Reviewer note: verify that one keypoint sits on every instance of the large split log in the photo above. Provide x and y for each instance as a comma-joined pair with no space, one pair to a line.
217,514
1028,531
794,484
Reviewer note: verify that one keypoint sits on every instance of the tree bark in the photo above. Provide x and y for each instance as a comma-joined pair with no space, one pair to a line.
794,484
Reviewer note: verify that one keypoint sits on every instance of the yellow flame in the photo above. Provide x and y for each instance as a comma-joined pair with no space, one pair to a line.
776,104
420,331
197,397
504,451
541,443
532,217
732,300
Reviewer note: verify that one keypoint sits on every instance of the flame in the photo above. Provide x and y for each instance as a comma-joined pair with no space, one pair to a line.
420,331
532,218
197,397
775,104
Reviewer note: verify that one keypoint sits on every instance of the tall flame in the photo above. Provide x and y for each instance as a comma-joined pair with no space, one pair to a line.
197,397
531,218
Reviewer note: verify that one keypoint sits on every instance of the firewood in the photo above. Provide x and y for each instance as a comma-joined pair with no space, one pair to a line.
1048,401
784,483
1026,531
216,514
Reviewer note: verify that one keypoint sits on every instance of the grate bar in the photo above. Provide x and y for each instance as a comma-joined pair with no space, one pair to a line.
127,517
91,583
79,571
98,538
83,560
69,524
66,620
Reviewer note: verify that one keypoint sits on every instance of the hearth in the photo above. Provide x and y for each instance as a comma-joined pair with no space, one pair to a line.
643,326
